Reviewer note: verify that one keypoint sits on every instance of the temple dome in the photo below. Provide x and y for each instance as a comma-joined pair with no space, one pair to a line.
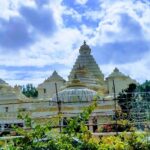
73,94
85,49
116,73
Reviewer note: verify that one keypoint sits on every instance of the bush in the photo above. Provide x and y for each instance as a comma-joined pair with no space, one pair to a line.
121,126
41,137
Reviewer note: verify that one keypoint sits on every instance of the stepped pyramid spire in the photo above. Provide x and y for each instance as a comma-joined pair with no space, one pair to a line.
86,68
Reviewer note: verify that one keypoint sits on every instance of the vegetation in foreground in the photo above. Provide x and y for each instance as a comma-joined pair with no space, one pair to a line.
75,136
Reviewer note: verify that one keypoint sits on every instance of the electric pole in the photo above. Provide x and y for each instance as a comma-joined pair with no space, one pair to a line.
115,102
59,106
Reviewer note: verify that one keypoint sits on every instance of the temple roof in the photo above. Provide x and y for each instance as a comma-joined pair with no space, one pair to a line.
54,77
116,73
8,93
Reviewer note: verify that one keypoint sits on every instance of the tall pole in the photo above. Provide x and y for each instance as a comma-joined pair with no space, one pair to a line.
115,102
59,106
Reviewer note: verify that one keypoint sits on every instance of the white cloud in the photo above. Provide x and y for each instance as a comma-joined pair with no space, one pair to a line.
4,11
10,7
58,10
110,21
59,48
47,51
82,2
138,70
35,77
94,14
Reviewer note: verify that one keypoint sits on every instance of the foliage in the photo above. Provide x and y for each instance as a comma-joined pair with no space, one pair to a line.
135,140
124,125
124,141
121,126
42,137
125,99
145,90
91,143
77,124
134,101
30,91
112,143
144,87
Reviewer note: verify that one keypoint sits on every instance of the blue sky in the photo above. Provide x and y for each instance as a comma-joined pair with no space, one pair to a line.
39,36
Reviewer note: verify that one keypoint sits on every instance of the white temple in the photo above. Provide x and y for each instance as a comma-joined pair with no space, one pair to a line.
85,81
87,71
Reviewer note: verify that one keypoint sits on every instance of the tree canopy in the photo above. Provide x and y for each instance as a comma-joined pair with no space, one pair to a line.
126,97
135,99
30,91
144,88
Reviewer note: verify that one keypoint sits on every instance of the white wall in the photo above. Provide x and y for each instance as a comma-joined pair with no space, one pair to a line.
120,84
49,89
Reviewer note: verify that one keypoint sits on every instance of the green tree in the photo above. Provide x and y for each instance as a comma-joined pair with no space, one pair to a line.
30,91
42,137
144,102
126,97
144,89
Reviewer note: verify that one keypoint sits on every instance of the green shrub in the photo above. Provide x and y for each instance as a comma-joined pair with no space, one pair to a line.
41,137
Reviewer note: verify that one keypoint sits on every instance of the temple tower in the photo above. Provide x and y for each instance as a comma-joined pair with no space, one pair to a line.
87,70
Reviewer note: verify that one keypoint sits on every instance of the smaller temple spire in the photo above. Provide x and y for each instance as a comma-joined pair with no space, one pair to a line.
55,77
116,73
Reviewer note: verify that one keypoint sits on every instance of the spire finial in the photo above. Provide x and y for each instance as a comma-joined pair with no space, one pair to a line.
84,49
116,69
